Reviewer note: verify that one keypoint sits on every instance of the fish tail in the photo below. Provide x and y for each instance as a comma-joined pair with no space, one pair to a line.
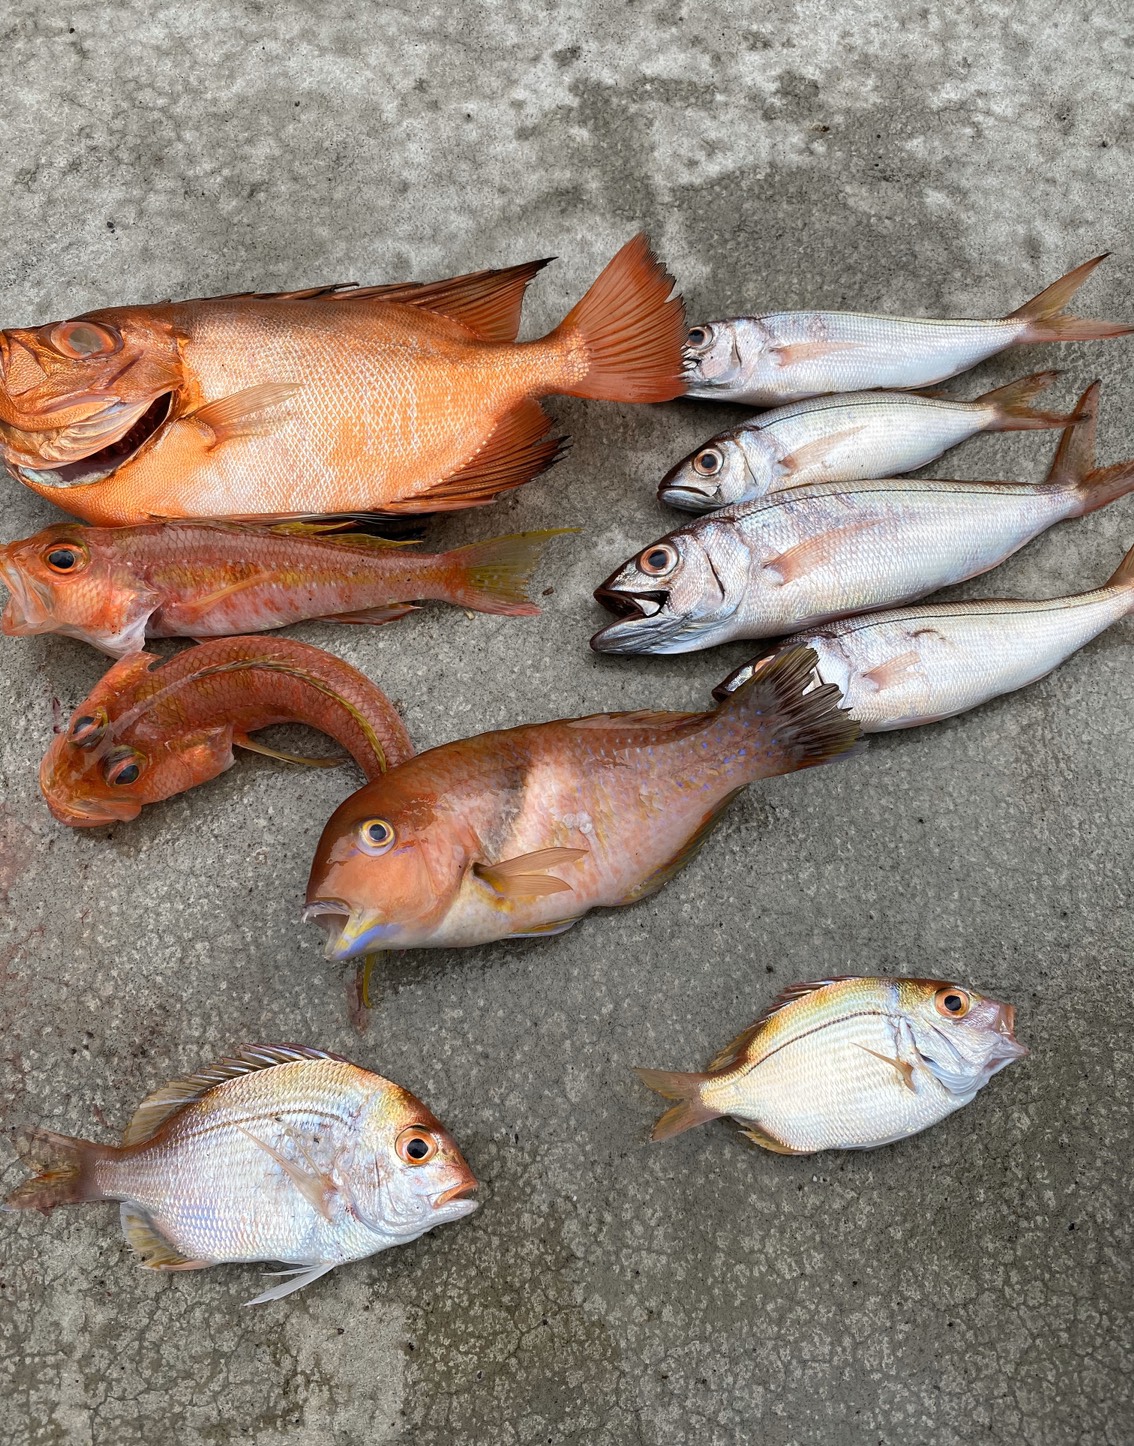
1124,575
627,333
807,725
1013,404
494,576
691,1109
1073,469
66,1174
1047,316
1103,486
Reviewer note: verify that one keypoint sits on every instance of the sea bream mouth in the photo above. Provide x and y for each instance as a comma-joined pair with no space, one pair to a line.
99,465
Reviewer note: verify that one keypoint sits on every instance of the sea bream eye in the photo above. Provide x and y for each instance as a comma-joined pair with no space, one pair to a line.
658,560
709,462
376,836
953,1003
78,339
415,1145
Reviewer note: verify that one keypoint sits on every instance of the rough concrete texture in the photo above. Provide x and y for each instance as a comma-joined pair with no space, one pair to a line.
971,1285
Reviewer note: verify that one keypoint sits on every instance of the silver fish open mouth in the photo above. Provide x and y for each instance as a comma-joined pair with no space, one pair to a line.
106,460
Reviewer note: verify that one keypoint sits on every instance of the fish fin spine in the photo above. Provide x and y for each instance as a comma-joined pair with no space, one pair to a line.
691,1109
494,576
1013,405
809,727
487,302
1047,317
146,1241
627,333
66,1171
253,745
301,1276
1123,575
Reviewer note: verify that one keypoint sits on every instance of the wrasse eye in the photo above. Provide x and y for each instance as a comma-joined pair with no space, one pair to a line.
87,730
659,559
78,339
66,557
709,462
122,767
700,336
416,1145
376,836
952,1003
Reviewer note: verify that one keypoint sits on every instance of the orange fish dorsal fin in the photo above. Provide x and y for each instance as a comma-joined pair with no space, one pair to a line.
522,876
517,450
685,854
153,1250
733,1053
160,1106
487,302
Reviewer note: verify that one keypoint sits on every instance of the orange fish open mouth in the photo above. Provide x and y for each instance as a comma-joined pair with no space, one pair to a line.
106,460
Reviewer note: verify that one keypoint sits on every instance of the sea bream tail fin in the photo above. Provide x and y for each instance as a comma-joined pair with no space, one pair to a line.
494,576
65,1171
1047,315
1014,409
1073,467
627,335
691,1109
1124,576
806,724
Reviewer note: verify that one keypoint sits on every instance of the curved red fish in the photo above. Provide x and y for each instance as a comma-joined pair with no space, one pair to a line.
404,398
153,728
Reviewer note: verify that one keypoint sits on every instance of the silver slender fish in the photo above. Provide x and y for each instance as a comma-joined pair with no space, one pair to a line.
787,355
802,557
847,1064
846,438
279,1153
902,668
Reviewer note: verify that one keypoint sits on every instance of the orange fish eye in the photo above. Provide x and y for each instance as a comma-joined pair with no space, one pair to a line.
78,339
66,556
709,462
952,1002
376,836
87,730
123,767
416,1146
658,559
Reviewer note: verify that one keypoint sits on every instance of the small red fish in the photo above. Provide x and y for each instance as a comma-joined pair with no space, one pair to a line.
113,587
154,728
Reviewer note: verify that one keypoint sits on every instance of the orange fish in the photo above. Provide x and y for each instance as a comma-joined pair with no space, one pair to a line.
520,833
153,728
403,398
114,587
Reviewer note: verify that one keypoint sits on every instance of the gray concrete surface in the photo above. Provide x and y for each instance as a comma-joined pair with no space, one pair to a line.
972,1285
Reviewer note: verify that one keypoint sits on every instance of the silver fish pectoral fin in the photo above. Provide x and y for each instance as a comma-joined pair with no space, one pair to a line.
299,1276
316,1186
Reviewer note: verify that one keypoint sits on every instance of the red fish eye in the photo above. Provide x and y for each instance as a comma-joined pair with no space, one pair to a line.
376,836
78,339
416,1145
659,559
709,462
122,767
953,1003
87,730
66,557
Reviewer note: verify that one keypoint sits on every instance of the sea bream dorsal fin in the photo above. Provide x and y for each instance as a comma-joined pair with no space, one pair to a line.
158,1107
734,1051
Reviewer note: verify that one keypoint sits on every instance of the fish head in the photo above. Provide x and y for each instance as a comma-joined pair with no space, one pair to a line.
735,466
68,579
77,398
719,355
409,1175
677,595
963,1037
121,750
388,866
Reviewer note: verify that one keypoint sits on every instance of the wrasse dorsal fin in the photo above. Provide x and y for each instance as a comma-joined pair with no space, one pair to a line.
164,1103
242,412
734,1052
154,1252
686,853
522,876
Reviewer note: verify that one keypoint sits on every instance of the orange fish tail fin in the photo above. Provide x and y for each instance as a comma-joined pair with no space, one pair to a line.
808,727
1124,575
65,1171
494,576
1014,410
1047,317
627,332
691,1109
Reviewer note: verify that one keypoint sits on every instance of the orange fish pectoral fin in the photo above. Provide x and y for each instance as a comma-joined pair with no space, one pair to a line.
687,852
903,1067
316,1186
154,1252
519,878
242,413
253,745
766,1141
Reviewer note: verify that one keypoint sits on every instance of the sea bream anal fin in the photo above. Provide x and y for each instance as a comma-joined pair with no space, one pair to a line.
153,1250
766,1141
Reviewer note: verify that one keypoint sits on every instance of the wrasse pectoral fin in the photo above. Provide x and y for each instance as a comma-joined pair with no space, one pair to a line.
801,351
253,745
892,671
688,850
242,413
766,1141
799,560
812,452
315,1185
518,450
299,1277
154,1252
518,878
903,1067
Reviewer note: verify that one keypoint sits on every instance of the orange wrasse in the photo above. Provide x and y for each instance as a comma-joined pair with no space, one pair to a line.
403,398
114,587
153,728
279,1153
520,833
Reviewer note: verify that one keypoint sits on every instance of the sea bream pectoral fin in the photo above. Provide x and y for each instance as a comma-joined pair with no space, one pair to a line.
316,1186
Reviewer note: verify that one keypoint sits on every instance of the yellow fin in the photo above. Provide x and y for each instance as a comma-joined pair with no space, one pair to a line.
904,1068
252,745
237,415
735,1051
160,1106
153,1250
544,931
315,1185
520,877
688,850
769,1142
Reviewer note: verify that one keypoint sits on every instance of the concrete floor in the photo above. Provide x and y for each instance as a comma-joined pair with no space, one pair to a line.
971,1285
